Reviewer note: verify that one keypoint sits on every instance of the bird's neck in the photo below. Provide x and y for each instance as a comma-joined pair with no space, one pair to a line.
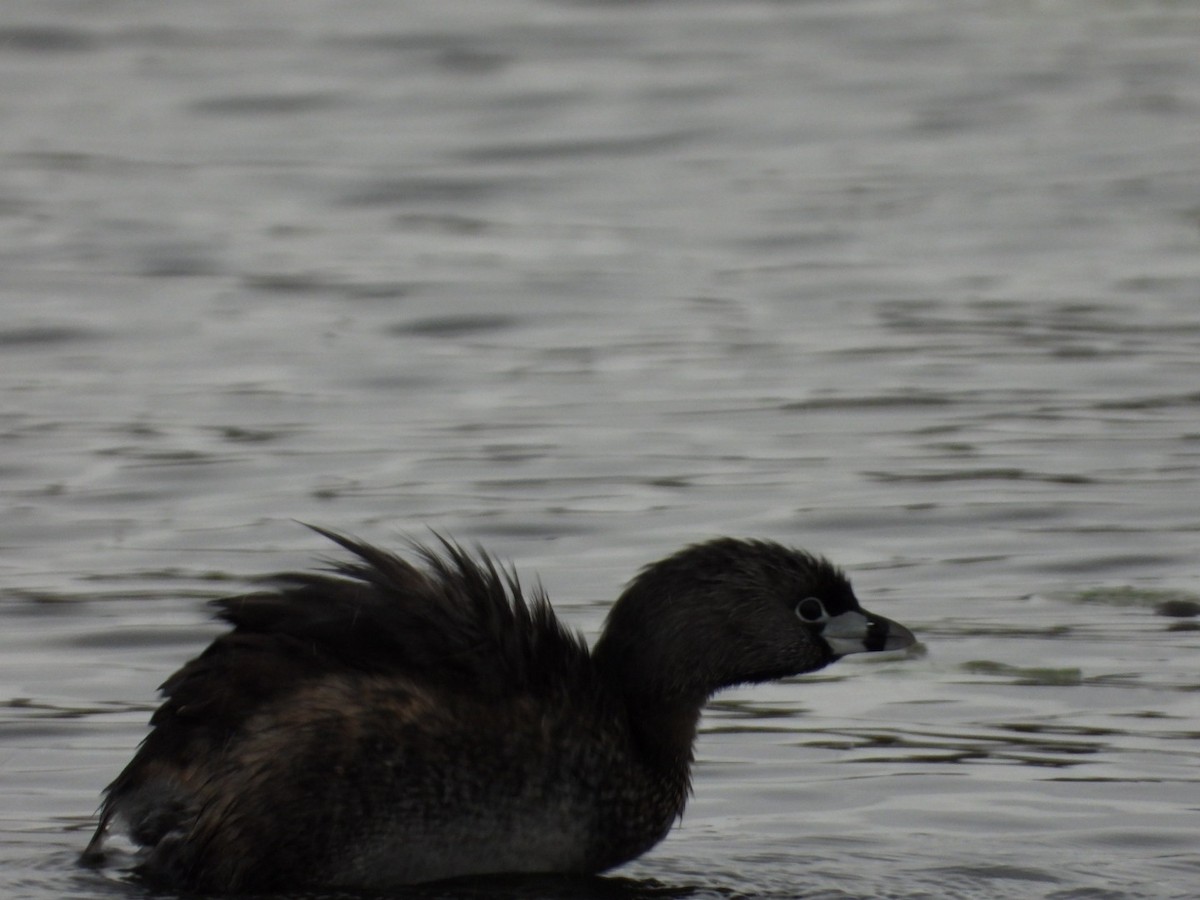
662,719
666,735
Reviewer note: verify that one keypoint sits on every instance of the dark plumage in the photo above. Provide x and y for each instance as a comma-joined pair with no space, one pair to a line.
387,724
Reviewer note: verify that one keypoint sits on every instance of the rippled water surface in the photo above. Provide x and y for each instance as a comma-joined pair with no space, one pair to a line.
912,284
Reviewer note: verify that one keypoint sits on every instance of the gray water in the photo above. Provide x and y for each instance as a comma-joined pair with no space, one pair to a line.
913,284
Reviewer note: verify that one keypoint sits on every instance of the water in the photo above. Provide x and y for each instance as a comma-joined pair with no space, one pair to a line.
915,285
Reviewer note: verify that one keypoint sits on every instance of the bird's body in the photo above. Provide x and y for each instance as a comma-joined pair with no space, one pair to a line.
389,724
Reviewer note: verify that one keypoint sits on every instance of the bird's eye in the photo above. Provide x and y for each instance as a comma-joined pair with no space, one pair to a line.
810,609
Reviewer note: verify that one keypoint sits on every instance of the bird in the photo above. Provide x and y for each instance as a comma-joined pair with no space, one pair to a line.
394,719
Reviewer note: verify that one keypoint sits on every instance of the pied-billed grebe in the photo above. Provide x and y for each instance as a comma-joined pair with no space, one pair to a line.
386,724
